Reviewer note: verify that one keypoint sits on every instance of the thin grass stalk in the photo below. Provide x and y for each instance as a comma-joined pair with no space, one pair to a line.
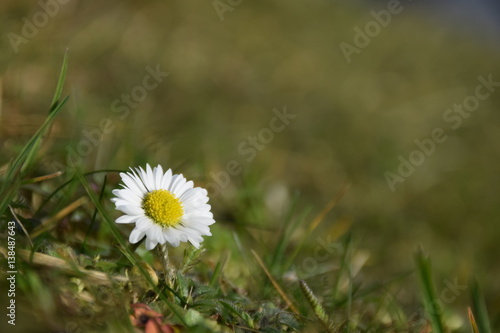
424,269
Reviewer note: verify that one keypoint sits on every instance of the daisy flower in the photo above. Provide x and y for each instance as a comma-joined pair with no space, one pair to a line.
165,208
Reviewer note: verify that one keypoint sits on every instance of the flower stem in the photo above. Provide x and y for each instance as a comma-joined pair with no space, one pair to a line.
168,269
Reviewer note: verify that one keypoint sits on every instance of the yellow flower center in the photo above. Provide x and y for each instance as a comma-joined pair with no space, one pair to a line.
163,208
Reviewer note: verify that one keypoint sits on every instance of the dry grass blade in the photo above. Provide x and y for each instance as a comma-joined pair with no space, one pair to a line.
50,222
21,225
275,284
4,168
318,219
321,216
472,321
44,260
42,178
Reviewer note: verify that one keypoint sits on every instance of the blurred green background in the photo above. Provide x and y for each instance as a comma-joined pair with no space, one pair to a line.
225,78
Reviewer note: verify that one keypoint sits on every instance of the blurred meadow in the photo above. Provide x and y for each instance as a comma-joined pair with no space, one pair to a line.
294,138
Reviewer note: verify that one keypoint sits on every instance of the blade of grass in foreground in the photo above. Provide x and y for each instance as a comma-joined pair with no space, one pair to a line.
20,166
274,283
55,106
94,215
60,83
218,269
288,226
69,182
472,321
429,292
124,248
479,311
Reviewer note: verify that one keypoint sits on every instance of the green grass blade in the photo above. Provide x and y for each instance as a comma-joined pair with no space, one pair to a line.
20,166
290,258
94,216
60,84
218,269
344,266
69,182
350,292
479,308
286,230
424,269
55,106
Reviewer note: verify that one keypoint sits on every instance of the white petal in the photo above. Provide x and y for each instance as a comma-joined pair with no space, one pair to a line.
127,199
160,236
136,236
126,219
150,175
200,210
199,220
190,212
178,233
131,210
177,182
133,183
128,195
154,231
195,199
137,181
144,178
120,202
190,194
158,176
190,233
187,195
143,223
151,244
195,243
182,189
167,178
171,237
174,243
202,229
